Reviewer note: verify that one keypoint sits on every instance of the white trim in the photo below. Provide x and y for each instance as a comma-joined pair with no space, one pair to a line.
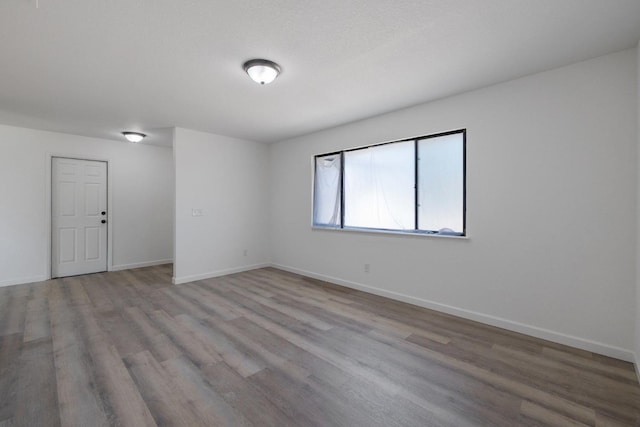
193,278
375,231
175,204
23,280
558,337
534,331
42,278
47,201
140,264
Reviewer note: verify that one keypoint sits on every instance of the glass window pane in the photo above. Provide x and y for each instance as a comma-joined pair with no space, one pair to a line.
379,187
441,184
326,194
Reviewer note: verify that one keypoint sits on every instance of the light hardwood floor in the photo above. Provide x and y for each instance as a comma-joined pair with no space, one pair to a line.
270,348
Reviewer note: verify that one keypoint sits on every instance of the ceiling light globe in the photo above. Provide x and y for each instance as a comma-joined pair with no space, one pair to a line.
134,136
262,71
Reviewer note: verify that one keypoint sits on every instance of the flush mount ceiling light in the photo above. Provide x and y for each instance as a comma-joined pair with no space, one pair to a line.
262,71
134,136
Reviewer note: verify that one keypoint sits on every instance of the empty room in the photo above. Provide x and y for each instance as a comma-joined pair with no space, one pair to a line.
337,213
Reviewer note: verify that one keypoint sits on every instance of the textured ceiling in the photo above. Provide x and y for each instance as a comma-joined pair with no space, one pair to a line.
97,67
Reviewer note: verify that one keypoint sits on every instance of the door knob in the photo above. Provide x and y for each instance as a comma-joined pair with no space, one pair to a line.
103,221
103,213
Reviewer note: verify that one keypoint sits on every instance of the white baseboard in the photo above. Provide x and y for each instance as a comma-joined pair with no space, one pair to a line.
23,280
33,279
139,264
557,337
193,278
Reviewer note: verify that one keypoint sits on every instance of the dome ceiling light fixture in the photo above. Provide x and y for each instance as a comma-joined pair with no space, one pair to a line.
262,71
134,136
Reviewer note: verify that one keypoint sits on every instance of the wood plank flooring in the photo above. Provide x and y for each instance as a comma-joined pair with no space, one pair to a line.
270,348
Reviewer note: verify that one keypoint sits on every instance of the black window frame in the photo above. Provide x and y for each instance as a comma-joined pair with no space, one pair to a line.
415,230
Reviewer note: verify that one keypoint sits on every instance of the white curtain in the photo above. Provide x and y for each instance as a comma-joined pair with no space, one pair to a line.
326,195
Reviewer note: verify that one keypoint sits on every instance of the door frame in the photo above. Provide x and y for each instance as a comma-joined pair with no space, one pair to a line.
48,206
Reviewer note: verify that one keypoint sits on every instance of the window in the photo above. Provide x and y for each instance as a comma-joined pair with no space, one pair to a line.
411,186
379,187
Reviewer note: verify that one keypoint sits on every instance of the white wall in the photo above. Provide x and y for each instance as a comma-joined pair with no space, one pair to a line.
228,179
551,181
141,186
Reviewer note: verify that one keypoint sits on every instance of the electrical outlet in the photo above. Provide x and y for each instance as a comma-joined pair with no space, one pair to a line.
197,212
367,268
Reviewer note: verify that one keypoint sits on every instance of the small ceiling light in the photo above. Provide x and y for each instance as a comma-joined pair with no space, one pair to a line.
262,71
134,136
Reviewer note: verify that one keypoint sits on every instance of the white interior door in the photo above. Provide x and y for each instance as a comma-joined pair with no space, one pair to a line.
78,217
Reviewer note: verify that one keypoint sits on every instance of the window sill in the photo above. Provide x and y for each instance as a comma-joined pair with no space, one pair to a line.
391,232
